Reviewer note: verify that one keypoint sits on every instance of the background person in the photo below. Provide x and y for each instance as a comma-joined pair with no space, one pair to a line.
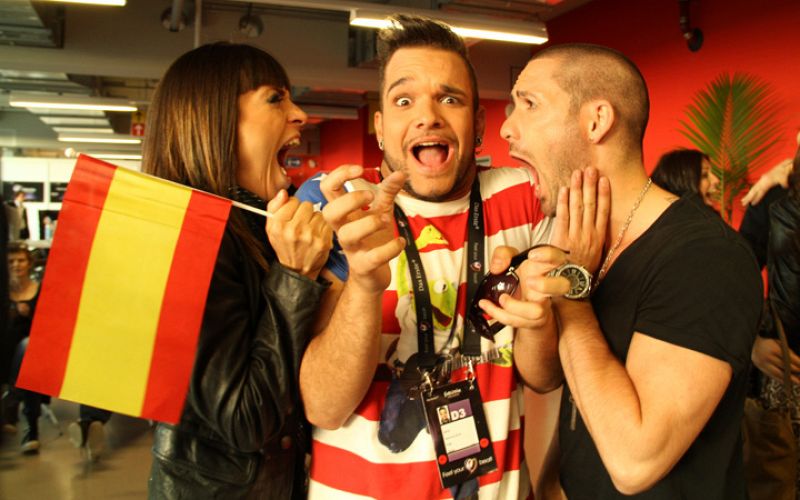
687,171
783,272
23,295
219,121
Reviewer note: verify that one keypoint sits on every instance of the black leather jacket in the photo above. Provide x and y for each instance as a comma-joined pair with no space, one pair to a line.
783,265
242,433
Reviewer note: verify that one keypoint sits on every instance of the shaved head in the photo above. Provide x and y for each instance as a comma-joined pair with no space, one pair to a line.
588,72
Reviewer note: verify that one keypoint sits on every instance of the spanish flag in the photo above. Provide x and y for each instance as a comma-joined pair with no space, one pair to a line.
124,292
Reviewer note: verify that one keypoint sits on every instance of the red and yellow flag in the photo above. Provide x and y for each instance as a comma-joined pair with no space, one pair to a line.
124,292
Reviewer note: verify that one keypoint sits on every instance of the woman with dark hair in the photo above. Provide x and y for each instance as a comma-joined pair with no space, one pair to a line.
221,121
687,171
783,273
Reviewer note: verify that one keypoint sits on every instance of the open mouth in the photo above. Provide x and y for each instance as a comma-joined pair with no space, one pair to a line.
284,151
432,154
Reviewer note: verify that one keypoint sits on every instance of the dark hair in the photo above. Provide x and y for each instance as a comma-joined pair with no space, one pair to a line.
416,31
19,247
591,72
191,133
679,171
794,176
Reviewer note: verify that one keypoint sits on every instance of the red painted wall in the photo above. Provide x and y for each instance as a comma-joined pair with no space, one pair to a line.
760,38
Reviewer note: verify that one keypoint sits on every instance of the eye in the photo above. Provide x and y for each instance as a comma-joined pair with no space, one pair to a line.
402,101
440,286
275,97
448,99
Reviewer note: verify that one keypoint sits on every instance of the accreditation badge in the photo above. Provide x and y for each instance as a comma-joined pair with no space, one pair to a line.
457,424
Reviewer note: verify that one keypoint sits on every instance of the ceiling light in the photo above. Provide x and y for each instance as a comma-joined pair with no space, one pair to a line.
65,112
100,138
528,32
83,130
115,156
21,100
75,120
112,3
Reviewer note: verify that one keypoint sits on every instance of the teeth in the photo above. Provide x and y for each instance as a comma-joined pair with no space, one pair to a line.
427,144
292,144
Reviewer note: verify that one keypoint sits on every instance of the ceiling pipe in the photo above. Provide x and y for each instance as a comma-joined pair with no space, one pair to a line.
198,21
175,16
694,37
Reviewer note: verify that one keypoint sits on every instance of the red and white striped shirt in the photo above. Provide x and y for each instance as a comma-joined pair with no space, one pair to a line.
350,462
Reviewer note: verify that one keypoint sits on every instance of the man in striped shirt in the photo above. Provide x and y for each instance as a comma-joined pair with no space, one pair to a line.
369,437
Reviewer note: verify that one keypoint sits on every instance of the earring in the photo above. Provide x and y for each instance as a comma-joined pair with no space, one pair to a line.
478,141
380,144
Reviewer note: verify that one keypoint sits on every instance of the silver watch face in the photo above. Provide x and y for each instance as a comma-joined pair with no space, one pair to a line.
580,280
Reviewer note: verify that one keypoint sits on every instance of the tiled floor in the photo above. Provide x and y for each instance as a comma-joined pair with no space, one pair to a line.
59,472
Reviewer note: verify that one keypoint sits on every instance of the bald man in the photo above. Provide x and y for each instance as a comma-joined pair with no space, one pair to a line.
655,360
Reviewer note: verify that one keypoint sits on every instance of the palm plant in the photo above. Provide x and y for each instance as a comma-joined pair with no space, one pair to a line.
733,121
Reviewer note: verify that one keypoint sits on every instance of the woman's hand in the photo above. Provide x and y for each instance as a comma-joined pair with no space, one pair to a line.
767,357
300,236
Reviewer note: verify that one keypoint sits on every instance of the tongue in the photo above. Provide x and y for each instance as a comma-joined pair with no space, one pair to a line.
432,156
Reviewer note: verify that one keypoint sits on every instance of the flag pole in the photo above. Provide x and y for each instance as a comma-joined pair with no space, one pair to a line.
252,209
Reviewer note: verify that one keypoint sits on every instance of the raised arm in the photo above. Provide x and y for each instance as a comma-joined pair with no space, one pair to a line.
340,361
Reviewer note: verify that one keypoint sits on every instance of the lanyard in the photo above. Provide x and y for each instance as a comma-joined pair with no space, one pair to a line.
422,300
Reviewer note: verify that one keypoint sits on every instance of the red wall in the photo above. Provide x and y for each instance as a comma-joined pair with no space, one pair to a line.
759,38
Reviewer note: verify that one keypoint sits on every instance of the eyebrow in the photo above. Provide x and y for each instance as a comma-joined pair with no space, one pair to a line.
445,88
520,94
396,83
453,90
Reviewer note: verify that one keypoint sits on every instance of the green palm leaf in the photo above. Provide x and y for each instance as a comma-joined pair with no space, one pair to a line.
733,121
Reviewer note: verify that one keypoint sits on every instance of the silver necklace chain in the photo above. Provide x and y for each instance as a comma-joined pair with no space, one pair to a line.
610,254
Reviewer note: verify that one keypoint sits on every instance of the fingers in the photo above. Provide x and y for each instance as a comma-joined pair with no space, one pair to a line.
753,196
278,201
561,224
516,313
332,186
603,205
589,197
387,191
346,207
501,259
575,205
353,233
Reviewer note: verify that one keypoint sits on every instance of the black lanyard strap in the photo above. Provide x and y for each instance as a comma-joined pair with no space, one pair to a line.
422,300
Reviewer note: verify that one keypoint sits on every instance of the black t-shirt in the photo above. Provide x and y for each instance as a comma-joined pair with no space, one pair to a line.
692,281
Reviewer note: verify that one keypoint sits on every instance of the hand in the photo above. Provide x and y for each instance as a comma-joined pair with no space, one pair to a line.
777,175
300,236
582,218
530,306
366,236
767,357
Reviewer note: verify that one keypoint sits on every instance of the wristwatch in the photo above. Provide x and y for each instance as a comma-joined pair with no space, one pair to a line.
580,280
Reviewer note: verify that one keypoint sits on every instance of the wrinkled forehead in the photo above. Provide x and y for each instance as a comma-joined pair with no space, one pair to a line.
537,73
426,65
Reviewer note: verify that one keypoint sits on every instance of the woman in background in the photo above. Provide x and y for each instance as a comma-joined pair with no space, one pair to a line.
23,293
687,171
221,121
